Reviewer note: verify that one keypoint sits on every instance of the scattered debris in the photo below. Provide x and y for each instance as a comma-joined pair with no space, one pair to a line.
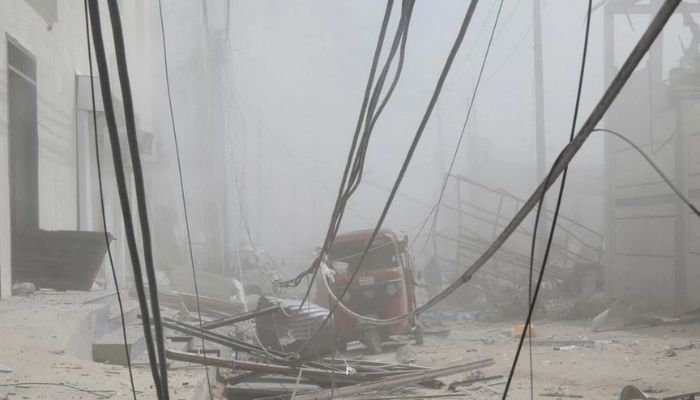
518,330
396,381
287,327
264,389
672,351
23,288
478,376
240,317
623,317
557,394
406,354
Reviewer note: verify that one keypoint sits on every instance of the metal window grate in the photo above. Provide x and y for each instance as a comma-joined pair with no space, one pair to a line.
20,60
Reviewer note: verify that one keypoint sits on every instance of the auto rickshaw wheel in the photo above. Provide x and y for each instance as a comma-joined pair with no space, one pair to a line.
418,334
373,340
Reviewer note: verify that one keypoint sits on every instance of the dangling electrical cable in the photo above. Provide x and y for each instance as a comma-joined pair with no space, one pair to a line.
352,172
101,60
372,114
341,190
656,168
182,193
102,202
661,16
561,193
132,140
436,208
407,160
565,156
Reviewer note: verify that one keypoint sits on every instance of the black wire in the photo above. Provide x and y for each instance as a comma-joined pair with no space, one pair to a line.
182,193
654,166
102,203
101,60
532,299
372,114
340,199
132,140
436,207
407,161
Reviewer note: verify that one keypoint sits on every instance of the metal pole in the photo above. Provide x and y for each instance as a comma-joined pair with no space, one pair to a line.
540,147
609,70
681,220
539,89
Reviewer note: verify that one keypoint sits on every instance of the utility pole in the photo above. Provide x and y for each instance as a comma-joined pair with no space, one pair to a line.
539,117
539,89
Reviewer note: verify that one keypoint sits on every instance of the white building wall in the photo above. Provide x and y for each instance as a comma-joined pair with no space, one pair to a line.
5,276
60,49
644,258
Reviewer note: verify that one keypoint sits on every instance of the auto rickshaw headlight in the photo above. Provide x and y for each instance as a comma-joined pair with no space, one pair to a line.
392,288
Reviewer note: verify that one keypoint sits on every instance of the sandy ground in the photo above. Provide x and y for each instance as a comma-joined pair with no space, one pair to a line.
39,342
623,357
37,335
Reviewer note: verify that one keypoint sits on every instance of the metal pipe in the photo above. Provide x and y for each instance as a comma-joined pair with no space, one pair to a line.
402,380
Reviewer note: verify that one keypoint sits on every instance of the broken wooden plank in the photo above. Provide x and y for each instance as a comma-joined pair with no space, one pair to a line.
232,364
421,396
223,340
262,389
320,376
396,381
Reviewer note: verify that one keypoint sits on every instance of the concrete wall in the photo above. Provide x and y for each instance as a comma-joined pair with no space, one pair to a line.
54,32
650,266
57,59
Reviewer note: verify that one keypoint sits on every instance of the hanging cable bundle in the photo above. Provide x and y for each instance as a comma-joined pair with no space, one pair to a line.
562,160
370,111
156,358
407,160
182,195
98,164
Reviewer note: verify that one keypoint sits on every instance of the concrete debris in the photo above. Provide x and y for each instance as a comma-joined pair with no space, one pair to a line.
258,372
619,316
23,288
406,354
670,353
474,377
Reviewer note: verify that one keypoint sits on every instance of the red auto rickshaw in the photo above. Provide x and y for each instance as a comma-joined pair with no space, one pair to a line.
384,288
